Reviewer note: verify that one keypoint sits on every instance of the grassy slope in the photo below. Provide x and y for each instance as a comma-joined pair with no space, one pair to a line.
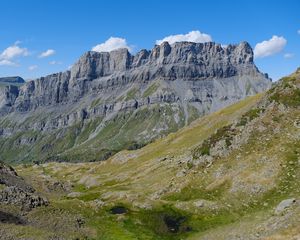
231,195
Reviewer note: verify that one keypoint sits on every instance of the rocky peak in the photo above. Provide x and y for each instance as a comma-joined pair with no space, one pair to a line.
120,60
92,64
242,53
165,49
140,58
155,52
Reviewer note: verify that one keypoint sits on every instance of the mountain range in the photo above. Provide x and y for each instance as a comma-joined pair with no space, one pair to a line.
110,101
232,174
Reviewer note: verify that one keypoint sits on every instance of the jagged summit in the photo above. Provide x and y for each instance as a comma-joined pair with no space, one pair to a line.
114,100
98,64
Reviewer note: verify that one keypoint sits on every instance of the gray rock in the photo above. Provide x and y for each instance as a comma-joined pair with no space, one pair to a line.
74,194
283,205
199,204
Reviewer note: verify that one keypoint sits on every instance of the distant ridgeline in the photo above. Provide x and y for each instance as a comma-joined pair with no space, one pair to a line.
17,81
111,101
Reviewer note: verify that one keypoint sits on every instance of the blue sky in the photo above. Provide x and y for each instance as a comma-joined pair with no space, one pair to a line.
69,28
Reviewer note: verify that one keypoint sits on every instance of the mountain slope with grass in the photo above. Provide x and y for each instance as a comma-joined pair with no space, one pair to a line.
233,174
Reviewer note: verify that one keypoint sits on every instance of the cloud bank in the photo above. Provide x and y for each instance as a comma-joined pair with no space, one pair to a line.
192,36
111,44
10,53
47,53
269,47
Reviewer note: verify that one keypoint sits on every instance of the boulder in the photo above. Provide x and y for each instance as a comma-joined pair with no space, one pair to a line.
285,204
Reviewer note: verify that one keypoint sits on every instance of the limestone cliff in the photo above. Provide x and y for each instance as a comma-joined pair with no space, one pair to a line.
114,100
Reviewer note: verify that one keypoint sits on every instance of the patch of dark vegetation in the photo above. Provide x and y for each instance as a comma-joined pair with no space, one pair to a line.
53,158
102,155
225,133
166,222
9,218
105,154
249,116
118,210
135,145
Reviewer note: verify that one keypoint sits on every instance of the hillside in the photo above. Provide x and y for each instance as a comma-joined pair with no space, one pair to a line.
110,101
233,174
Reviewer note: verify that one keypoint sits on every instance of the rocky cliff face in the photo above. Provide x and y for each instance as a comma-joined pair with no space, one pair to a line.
109,101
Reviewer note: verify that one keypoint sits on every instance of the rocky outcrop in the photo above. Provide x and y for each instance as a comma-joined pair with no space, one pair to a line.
17,196
284,204
190,79
10,178
17,191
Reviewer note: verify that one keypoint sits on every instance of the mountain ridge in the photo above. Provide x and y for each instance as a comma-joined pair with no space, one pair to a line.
171,84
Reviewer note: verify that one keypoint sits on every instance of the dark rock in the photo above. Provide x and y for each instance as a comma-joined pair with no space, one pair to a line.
10,178
174,223
80,222
9,218
17,191
17,196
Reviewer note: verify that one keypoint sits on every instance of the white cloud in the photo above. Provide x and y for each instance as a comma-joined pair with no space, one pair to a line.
32,68
298,31
288,55
193,36
47,53
111,44
269,47
55,63
12,52
17,42
6,62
